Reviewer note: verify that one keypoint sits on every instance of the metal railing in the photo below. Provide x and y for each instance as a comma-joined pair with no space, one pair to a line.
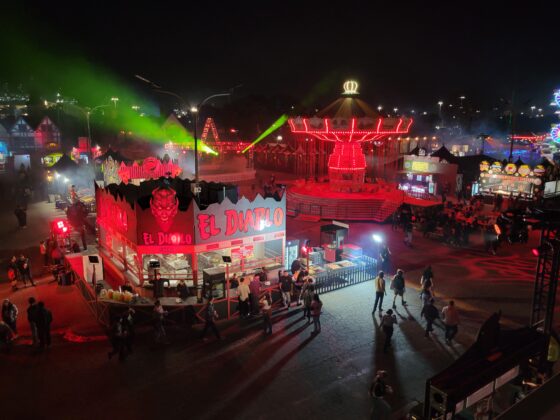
365,269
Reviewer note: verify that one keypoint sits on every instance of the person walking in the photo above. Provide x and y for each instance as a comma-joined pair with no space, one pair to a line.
427,279
387,322
21,216
44,320
117,339
128,328
378,390
266,310
398,287
255,288
6,337
210,315
285,287
316,307
13,273
159,329
385,256
43,252
243,293
450,317
379,292
10,314
307,301
408,234
32,319
24,268
430,312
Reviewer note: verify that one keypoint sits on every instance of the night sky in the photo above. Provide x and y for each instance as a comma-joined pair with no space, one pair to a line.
401,55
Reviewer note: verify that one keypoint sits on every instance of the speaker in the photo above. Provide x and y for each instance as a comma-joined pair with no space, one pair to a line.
93,259
154,264
226,259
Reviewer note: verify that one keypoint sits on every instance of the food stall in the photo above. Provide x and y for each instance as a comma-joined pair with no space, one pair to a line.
162,223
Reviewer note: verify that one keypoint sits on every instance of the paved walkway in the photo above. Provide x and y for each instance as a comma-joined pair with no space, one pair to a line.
291,374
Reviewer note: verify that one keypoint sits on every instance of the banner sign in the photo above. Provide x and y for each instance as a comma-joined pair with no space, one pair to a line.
226,221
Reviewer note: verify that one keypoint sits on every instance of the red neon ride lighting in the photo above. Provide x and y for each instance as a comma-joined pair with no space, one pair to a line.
60,226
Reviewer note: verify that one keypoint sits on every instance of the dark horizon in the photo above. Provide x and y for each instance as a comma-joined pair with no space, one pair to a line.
404,58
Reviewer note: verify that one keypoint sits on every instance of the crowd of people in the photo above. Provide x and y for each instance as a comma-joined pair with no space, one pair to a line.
457,223
38,317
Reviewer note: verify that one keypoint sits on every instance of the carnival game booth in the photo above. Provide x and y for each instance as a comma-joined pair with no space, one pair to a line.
160,227
519,180
425,176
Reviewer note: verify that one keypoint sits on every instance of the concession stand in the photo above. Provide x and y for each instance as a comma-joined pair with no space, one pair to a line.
157,232
423,175
163,222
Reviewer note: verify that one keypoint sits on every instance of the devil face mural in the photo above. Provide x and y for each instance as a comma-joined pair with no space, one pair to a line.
164,205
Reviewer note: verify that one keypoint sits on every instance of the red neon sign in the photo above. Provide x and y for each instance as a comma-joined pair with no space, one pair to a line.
256,219
164,238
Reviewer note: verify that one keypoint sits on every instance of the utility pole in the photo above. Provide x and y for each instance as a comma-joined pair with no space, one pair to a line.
511,127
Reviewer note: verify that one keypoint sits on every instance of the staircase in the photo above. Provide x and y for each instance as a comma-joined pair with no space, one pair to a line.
371,208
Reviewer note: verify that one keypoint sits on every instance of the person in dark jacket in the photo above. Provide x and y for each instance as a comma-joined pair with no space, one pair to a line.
210,315
24,268
44,319
182,290
21,216
9,314
430,312
32,319
398,287
117,338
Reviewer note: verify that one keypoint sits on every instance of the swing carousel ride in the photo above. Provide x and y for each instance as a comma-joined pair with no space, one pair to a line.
348,122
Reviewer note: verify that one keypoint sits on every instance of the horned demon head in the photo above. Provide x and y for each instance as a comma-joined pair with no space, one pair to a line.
164,205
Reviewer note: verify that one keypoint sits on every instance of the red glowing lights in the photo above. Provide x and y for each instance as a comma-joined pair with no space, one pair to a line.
60,227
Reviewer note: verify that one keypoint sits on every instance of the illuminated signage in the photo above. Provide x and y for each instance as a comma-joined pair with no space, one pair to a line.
418,166
510,168
164,238
251,220
484,166
524,170
350,87
225,221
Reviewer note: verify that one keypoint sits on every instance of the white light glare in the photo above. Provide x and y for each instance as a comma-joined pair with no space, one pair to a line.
377,238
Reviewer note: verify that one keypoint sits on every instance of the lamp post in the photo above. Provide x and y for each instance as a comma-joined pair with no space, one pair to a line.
195,110
440,103
87,112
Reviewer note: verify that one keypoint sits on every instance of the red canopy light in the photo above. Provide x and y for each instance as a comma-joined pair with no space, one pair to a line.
348,122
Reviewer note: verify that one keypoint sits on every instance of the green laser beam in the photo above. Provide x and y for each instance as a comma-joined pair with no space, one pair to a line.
275,126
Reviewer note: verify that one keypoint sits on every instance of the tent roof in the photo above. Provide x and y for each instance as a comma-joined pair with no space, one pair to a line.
346,107
443,153
65,164
115,155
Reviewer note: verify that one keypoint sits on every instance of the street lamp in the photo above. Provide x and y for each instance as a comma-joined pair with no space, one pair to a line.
114,99
395,109
379,108
194,110
462,98
377,238
87,112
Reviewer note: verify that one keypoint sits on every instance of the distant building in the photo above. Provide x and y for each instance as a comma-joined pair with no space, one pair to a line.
47,135
23,136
